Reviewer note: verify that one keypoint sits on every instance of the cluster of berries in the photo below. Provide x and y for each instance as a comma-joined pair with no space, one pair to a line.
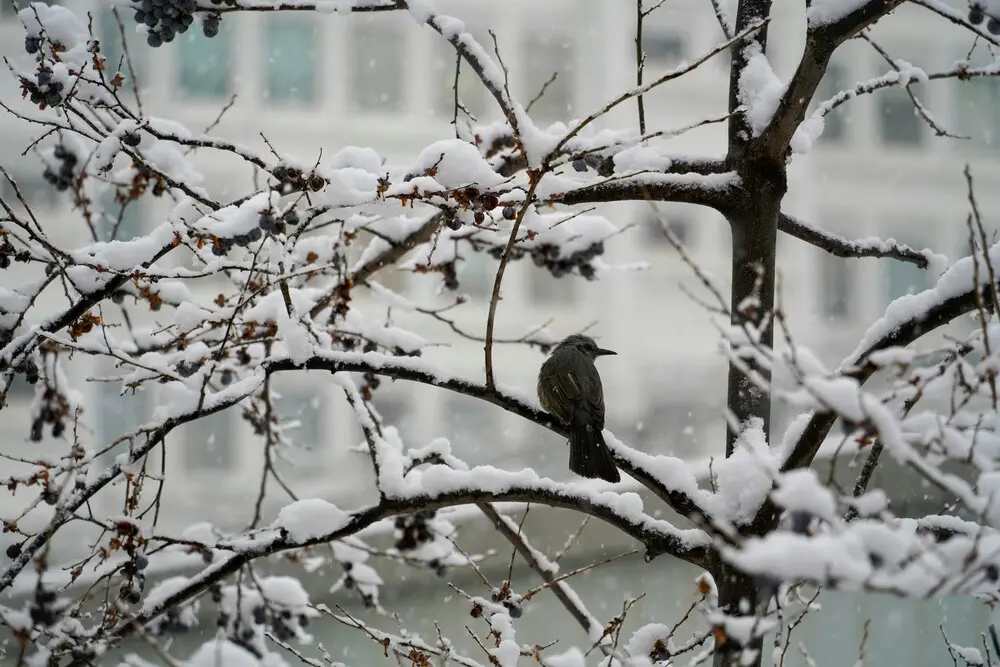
66,174
54,410
44,611
546,256
480,204
273,224
165,19
44,90
978,14
293,179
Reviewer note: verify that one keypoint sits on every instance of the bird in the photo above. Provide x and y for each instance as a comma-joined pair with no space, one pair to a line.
570,389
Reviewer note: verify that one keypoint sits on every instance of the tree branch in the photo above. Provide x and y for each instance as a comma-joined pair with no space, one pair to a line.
713,190
560,589
415,370
893,334
841,247
553,495
821,42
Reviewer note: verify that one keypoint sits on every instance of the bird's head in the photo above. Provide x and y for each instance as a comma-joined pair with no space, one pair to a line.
583,344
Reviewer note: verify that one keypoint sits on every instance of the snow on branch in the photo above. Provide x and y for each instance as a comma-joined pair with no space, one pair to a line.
831,23
957,292
313,526
841,247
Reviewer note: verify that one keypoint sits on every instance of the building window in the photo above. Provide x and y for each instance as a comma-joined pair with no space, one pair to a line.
835,122
546,289
898,122
395,410
477,273
377,82
680,224
114,414
904,278
290,55
209,445
204,69
672,428
120,222
301,423
663,49
978,110
110,37
466,420
835,282
471,91
547,55
37,192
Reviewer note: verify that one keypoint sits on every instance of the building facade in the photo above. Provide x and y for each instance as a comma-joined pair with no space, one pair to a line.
310,81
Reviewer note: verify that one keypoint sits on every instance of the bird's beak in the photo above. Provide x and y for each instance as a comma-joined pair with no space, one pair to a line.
601,352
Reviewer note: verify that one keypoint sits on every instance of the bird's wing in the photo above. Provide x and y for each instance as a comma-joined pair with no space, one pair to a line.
572,386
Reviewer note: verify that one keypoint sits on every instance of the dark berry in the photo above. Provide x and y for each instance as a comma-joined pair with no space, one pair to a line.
580,165
509,212
479,217
32,44
13,551
226,377
36,430
993,26
513,609
50,497
976,15
267,222
290,217
141,562
259,615
254,235
154,39
131,139
118,297
210,27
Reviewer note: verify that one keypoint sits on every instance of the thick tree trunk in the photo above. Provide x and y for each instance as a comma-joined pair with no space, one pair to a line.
754,225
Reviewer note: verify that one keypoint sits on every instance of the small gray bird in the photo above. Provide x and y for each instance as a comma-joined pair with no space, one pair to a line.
569,389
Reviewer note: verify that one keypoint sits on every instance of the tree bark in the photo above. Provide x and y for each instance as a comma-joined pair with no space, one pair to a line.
753,221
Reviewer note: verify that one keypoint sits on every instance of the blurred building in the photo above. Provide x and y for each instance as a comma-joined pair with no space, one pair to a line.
312,81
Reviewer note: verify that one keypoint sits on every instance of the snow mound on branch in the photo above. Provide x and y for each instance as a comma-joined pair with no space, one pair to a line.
216,652
648,643
61,26
310,518
825,12
760,89
454,163
801,490
743,480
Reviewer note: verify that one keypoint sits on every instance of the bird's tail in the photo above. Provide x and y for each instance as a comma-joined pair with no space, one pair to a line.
589,456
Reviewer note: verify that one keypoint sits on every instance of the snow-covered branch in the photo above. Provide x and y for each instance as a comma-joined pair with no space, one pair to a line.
842,247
